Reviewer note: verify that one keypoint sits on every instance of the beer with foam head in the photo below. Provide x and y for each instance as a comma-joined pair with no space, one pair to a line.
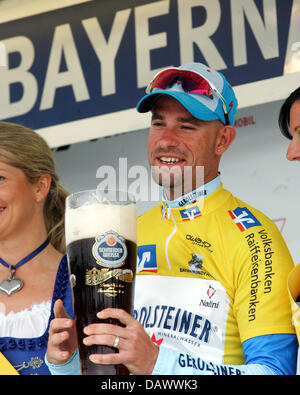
101,249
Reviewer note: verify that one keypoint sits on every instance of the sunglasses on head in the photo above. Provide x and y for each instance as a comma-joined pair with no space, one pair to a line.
190,81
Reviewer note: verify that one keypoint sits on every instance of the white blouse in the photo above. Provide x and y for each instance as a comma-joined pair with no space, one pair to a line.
28,323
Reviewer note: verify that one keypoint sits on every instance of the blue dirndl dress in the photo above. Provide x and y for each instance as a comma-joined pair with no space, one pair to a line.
27,354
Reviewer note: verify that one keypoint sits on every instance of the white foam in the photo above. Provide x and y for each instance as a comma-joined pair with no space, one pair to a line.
95,219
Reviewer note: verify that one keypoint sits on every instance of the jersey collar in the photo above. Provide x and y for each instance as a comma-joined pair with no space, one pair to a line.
192,197
203,204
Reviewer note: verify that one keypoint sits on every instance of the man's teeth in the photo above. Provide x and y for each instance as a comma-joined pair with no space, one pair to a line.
169,160
2,209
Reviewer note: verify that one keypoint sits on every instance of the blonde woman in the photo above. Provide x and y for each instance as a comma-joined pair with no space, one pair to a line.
33,267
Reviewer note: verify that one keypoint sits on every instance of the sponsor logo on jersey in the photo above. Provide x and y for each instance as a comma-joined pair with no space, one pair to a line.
211,303
165,320
195,264
210,291
199,242
192,197
186,360
190,213
146,256
243,218
156,341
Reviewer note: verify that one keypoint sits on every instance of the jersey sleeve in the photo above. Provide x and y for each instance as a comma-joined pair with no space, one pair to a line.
262,265
174,362
70,368
264,355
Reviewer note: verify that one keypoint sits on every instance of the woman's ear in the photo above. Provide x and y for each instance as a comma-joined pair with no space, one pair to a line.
42,187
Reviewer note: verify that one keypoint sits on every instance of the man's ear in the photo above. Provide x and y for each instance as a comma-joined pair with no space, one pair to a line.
42,187
225,137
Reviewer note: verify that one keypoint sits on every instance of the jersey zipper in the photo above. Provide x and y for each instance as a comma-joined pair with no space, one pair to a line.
170,214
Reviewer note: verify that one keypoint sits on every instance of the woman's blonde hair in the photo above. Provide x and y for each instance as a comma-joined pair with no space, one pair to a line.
23,148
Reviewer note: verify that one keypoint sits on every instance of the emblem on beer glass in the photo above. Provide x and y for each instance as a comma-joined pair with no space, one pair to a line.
110,250
100,277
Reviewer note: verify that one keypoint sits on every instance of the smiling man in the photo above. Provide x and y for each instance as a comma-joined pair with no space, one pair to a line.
184,135
178,141
211,293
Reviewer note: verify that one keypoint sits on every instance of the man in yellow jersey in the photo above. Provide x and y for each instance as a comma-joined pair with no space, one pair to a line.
211,294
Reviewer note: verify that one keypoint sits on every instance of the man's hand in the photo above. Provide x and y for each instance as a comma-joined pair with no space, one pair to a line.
136,350
62,336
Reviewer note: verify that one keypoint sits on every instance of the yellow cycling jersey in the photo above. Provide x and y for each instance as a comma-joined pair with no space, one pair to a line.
211,275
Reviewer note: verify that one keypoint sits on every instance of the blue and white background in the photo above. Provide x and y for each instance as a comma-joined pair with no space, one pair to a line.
74,70
95,58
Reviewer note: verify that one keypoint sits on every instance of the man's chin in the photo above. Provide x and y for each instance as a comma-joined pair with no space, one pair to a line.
166,176
173,184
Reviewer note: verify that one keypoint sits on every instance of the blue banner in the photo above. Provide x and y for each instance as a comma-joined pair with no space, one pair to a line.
97,57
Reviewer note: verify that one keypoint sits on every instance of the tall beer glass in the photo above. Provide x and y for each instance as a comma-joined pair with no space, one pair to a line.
101,238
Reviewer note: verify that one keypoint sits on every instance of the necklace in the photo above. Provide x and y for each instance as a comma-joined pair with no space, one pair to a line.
12,284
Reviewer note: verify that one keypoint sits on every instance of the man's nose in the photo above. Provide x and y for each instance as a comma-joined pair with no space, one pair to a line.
169,136
293,152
